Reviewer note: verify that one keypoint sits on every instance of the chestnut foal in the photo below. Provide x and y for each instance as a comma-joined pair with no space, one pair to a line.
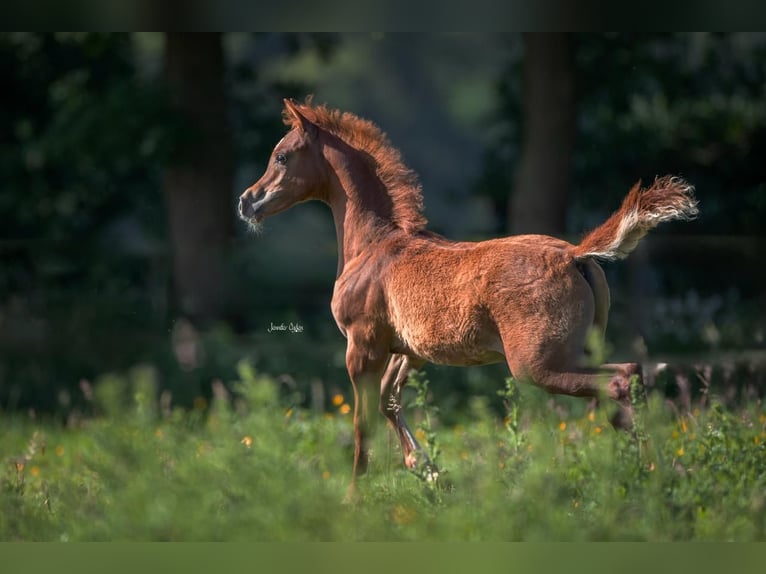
405,296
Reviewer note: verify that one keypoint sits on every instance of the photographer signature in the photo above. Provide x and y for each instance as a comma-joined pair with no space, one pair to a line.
291,327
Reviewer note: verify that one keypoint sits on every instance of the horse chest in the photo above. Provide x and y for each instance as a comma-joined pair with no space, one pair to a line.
356,299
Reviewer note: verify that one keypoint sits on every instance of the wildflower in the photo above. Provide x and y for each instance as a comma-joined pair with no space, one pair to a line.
501,465
326,474
597,430
35,471
683,426
591,416
288,413
420,434
756,440
680,451
562,426
403,514
247,441
337,400
345,408
159,433
59,450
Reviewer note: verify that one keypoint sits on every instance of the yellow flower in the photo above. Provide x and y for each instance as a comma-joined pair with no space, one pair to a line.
680,451
35,471
562,426
591,416
420,434
756,440
683,425
337,400
597,430
59,450
326,474
345,409
403,514
247,441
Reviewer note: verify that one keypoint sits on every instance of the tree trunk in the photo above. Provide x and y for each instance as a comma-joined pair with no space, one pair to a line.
198,183
539,200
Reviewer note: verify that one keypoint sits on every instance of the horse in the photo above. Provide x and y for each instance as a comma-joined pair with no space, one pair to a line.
405,296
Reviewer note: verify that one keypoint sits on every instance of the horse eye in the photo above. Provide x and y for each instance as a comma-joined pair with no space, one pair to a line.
280,158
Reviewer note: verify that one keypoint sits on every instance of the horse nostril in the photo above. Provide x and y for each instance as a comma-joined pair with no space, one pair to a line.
259,195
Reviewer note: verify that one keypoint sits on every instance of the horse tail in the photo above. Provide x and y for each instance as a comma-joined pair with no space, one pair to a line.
668,198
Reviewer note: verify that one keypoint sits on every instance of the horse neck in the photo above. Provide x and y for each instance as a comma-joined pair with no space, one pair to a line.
361,207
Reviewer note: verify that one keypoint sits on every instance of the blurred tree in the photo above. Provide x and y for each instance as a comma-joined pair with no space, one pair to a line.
198,182
647,104
539,196
86,132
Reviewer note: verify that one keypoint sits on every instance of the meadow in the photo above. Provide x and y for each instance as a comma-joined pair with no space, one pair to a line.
250,464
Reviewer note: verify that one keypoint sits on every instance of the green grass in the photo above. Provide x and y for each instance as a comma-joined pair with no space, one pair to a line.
251,467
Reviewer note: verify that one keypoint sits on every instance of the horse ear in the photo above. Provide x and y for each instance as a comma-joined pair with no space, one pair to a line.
304,124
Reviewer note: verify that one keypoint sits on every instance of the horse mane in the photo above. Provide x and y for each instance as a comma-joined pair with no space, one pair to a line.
401,182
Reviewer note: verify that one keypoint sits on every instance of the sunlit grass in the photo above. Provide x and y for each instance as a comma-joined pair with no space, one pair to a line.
253,465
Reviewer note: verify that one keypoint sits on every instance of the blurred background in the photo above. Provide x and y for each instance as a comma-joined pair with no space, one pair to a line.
122,157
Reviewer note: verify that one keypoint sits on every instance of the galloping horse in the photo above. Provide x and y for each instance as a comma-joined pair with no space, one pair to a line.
405,296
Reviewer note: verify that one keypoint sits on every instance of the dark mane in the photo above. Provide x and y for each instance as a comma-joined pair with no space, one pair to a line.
400,181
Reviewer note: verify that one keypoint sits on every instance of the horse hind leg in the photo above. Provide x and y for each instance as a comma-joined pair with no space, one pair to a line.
613,381
394,380
626,388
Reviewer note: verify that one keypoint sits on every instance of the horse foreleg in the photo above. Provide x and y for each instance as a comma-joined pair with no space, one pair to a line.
365,364
394,380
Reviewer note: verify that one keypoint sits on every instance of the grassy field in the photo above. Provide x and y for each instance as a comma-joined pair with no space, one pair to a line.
249,466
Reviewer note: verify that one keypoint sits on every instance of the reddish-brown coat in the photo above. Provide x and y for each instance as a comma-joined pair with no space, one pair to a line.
405,296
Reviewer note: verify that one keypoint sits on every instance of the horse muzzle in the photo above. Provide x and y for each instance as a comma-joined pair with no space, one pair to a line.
251,205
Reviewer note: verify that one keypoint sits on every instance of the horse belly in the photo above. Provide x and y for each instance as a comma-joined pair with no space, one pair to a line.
450,338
